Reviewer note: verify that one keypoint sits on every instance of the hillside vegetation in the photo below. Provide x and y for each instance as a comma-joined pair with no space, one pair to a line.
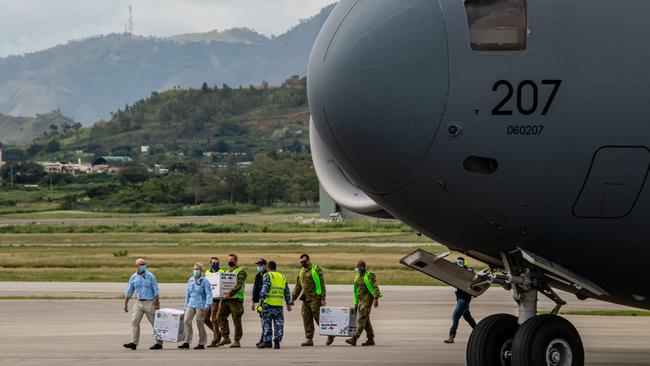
90,78
22,130
235,35
213,121
228,150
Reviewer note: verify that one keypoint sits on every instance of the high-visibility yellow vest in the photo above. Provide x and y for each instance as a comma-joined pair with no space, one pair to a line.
366,280
209,270
240,293
314,275
276,292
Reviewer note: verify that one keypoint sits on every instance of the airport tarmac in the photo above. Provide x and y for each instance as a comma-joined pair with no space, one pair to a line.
410,325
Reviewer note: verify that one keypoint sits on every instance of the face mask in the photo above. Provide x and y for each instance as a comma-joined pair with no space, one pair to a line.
357,270
231,264
260,269
215,267
197,273
305,264
143,268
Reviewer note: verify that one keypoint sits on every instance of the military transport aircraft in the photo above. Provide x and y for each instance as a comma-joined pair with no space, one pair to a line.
514,131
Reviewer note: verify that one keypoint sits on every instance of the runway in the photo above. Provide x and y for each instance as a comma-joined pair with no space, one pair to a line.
410,325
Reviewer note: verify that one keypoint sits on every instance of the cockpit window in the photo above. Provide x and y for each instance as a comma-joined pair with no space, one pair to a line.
497,25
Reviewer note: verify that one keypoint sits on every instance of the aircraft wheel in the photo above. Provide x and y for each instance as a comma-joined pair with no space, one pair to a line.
547,340
490,342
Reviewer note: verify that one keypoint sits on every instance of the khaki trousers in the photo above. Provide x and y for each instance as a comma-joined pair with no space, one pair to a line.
141,308
200,324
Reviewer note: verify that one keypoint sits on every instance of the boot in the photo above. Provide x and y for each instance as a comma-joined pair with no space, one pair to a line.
449,340
351,341
224,341
235,344
368,343
309,342
214,342
276,345
262,345
330,340
184,346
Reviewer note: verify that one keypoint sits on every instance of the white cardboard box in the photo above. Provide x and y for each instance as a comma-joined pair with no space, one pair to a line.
338,321
221,282
168,325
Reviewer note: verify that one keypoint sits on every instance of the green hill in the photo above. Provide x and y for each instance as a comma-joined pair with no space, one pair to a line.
22,130
207,123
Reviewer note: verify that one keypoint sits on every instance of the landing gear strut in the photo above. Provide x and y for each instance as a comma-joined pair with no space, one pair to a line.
529,339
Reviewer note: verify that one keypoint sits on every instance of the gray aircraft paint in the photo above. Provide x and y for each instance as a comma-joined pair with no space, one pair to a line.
388,78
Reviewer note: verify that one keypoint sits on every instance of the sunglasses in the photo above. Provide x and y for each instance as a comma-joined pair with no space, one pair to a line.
303,262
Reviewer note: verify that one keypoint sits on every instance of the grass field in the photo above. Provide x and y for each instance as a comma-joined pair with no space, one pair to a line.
105,251
173,262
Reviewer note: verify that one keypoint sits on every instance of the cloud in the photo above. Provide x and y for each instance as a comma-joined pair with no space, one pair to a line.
32,25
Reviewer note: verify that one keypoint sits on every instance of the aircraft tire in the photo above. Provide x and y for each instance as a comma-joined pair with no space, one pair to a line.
547,340
490,340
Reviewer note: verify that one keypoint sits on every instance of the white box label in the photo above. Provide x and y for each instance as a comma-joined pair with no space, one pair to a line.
221,282
169,325
338,321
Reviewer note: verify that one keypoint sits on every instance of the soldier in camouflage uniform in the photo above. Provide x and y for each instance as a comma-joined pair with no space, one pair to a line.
233,305
275,294
311,284
366,295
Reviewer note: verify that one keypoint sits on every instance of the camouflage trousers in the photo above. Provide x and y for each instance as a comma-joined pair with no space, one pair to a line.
310,313
234,308
272,320
363,320
213,323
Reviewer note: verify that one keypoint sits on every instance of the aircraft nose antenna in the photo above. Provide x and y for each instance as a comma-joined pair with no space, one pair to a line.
378,83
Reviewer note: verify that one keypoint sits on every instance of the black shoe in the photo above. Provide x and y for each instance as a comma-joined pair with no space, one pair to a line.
200,346
264,345
276,345
156,346
131,346
184,346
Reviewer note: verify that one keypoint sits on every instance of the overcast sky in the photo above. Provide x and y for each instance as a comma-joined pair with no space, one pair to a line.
32,25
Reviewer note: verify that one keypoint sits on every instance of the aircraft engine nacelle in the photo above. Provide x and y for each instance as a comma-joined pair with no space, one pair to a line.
338,185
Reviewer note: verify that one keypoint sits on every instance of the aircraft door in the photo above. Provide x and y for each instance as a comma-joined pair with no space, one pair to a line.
614,182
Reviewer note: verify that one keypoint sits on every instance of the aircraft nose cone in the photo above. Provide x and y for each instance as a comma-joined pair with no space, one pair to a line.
377,84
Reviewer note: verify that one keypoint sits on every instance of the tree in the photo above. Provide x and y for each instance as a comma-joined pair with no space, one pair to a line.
52,146
26,173
205,88
134,173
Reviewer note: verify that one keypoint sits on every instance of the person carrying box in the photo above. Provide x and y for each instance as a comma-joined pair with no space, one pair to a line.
211,320
232,304
366,295
275,293
310,288
198,300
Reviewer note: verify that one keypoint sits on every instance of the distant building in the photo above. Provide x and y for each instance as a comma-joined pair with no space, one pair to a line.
145,149
65,168
110,164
